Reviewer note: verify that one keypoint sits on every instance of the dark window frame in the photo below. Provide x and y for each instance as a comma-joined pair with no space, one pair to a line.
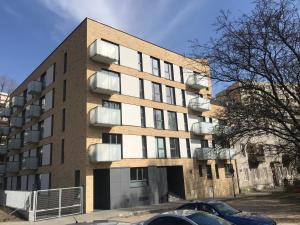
154,94
175,150
156,121
143,116
158,64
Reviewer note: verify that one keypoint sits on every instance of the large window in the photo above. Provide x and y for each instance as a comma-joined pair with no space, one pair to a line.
174,148
156,92
65,62
64,90
204,143
200,169
144,147
168,71
63,119
170,95
158,119
43,103
188,148
43,80
62,154
228,170
142,93
172,121
138,177
143,116
77,178
111,105
183,98
209,172
140,61
186,126
181,75
160,147
155,66
111,138
217,171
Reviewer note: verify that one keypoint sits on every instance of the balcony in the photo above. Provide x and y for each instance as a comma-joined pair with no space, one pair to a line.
17,101
202,128
31,137
33,111
197,81
2,169
105,117
105,152
199,104
105,52
16,122
30,163
4,131
214,153
34,87
3,149
13,166
5,112
14,144
105,83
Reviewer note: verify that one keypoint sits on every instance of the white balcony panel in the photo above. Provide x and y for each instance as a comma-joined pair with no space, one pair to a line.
130,85
14,144
34,87
3,149
105,52
2,168
199,104
12,166
17,101
214,153
16,122
197,81
5,112
129,57
183,148
201,128
102,116
132,146
105,83
30,163
33,111
148,89
131,115
4,131
105,152
177,76
147,63
31,137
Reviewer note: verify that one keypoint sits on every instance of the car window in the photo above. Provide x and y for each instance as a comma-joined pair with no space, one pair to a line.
189,206
169,220
205,208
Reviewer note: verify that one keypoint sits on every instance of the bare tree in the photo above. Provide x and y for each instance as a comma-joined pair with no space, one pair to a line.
260,54
7,85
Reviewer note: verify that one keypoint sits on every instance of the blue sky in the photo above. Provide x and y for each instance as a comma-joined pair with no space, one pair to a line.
31,29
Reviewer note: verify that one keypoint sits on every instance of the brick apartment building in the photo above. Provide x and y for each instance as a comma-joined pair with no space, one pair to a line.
128,120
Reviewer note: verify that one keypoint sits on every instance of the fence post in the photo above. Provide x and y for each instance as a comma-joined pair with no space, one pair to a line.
34,204
81,200
59,202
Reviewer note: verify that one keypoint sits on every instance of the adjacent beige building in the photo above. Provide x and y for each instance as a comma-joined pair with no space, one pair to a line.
128,120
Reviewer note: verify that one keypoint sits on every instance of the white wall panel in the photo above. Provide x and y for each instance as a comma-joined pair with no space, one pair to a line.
128,57
168,151
50,75
48,100
186,74
151,147
166,119
164,93
132,146
183,150
176,71
146,63
130,85
149,117
180,121
148,89
46,154
162,68
131,115
178,96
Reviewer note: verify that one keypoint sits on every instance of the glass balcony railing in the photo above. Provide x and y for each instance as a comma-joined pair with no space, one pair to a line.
202,128
105,152
105,83
14,144
17,101
30,163
34,87
4,131
13,166
106,117
31,137
3,149
197,81
199,104
5,112
33,111
214,153
103,51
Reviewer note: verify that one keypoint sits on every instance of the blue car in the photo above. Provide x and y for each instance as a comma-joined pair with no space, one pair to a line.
228,213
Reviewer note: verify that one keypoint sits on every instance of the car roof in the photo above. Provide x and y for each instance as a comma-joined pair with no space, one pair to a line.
206,201
180,212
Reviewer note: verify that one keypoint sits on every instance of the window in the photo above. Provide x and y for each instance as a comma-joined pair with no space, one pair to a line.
41,128
142,92
143,116
65,61
138,177
208,172
210,120
158,119
64,90
204,143
160,147
24,96
228,170
181,75
217,171
201,119
62,154
43,80
172,120
111,138
140,61
174,148
155,66
183,98
63,119
200,169
213,142
43,103
186,126
144,147
188,148
168,71
77,178
156,90
111,105
170,95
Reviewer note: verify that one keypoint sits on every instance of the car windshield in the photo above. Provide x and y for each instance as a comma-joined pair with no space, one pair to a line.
207,219
223,208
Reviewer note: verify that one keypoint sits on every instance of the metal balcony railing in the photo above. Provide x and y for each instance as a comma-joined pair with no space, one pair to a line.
105,152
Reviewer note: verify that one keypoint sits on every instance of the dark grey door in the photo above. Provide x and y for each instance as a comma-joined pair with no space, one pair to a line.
102,189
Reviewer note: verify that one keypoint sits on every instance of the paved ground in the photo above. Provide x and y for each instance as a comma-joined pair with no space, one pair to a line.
284,208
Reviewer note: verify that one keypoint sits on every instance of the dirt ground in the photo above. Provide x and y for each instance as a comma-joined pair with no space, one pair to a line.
5,215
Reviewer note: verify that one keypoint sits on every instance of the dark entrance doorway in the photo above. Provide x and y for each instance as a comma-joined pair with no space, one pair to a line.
175,181
102,189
